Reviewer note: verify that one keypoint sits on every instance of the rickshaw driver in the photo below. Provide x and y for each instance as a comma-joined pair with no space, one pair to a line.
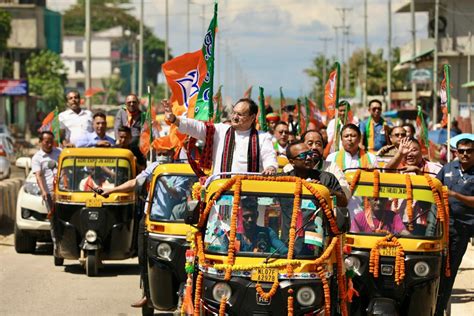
256,238
378,218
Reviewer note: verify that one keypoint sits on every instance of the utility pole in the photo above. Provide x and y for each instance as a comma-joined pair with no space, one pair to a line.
389,58
435,65
413,52
343,11
166,41
469,70
366,49
336,28
188,25
325,51
348,85
140,53
88,52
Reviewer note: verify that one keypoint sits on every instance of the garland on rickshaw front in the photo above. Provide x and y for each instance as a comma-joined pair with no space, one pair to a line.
334,245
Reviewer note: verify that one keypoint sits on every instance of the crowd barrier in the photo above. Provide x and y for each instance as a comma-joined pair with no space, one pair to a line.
8,195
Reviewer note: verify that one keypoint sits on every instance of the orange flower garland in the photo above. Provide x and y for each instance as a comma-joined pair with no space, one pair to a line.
327,211
355,180
292,232
290,302
447,271
197,294
222,306
225,187
376,184
327,293
341,276
409,187
233,228
388,241
269,294
439,205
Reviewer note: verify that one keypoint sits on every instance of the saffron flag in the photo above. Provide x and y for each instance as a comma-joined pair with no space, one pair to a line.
190,77
148,119
331,92
51,123
423,132
262,122
445,95
218,105
248,92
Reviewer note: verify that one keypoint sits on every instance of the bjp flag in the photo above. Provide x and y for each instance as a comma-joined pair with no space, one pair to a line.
331,92
190,77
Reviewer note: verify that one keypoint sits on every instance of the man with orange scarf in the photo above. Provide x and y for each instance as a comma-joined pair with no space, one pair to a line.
130,116
374,129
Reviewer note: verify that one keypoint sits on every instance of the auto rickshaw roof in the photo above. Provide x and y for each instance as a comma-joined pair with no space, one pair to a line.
393,185
173,168
97,152
270,186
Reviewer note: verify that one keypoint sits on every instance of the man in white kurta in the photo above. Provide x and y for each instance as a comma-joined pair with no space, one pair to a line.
242,120
75,121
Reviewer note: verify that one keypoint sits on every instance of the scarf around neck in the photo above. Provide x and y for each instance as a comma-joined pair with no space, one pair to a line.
253,152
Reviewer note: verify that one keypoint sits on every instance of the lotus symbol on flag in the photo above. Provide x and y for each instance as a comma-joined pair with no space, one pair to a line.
189,85
443,94
332,85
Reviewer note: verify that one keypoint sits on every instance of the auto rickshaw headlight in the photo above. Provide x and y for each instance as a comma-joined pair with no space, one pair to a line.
352,263
164,251
306,296
91,236
221,289
421,269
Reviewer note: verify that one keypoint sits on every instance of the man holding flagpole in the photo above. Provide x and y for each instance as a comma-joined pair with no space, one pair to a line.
230,141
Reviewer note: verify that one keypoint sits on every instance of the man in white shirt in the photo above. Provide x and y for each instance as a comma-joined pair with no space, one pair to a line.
237,147
74,121
342,111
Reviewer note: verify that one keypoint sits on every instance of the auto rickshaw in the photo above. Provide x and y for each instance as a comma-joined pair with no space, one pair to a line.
264,246
397,245
87,226
166,235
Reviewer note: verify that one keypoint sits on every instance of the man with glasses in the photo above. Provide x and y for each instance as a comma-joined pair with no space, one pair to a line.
130,116
374,129
237,147
281,138
458,176
302,158
75,121
396,134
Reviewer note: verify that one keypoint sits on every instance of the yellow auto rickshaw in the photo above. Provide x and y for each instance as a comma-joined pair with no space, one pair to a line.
264,246
87,226
166,234
397,245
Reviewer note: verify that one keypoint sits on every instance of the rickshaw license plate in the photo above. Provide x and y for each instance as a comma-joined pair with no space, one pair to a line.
388,251
93,203
264,275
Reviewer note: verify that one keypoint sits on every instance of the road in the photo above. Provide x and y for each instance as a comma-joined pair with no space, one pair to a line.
32,285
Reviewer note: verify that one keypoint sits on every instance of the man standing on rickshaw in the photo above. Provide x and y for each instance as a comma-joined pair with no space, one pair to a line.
458,176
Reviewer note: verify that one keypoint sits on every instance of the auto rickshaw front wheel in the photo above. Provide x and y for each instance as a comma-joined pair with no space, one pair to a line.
147,310
92,263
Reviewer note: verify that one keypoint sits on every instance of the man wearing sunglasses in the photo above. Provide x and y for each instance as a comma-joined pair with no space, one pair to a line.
458,176
130,116
303,160
396,134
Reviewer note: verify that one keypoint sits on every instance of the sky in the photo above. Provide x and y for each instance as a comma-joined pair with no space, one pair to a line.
269,43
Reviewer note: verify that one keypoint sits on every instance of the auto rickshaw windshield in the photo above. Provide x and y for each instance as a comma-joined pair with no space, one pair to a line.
82,174
170,197
263,225
382,215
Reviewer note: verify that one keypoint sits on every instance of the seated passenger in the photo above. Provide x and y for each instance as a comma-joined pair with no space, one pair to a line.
378,217
254,238
95,179
98,138
169,200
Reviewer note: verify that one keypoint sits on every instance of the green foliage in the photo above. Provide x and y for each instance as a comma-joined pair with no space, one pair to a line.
112,86
47,77
316,71
5,29
106,14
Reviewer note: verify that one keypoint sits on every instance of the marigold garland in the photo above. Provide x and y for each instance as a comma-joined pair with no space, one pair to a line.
437,198
447,271
196,191
290,302
327,293
355,180
197,294
376,184
267,295
327,210
292,232
341,276
233,229
222,306
388,241
409,210
248,267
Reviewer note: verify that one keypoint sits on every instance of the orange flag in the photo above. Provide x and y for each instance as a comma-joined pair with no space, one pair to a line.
330,95
248,92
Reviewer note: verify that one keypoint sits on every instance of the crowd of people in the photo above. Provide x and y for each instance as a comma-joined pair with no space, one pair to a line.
321,154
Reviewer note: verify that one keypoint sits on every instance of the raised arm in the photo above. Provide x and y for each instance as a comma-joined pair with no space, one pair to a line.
193,128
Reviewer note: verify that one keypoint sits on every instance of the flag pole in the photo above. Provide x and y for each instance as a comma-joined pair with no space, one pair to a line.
150,152
336,117
448,93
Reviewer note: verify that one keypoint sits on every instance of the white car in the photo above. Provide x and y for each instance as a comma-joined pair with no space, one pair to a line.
31,224
6,154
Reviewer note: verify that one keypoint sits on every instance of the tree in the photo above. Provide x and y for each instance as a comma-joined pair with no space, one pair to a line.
106,14
5,31
47,77
317,71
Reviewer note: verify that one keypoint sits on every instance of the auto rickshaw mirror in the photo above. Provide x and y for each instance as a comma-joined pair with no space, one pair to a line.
192,212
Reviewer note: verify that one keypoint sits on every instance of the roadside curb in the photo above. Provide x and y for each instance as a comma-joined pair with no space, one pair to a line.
8,197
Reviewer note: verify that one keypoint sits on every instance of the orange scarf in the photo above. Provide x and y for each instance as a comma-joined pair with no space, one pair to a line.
364,161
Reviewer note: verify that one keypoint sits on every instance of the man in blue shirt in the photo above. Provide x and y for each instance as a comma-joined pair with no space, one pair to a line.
458,176
97,138
374,129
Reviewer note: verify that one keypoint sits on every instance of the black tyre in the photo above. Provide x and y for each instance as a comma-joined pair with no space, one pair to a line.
24,243
147,310
58,261
92,263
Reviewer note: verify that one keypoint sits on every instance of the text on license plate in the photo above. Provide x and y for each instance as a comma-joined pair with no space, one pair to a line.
264,275
93,203
388,251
